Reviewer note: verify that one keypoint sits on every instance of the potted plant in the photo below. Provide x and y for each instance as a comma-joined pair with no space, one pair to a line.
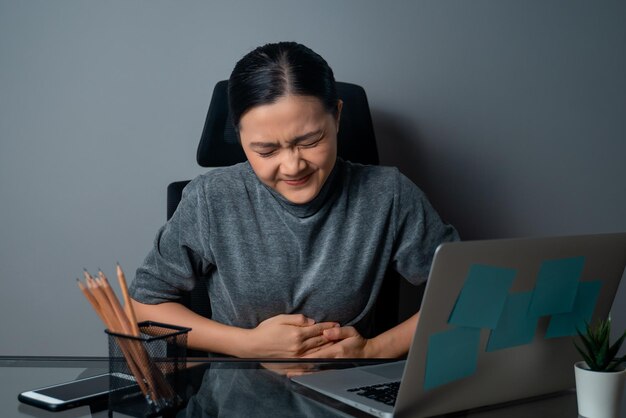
600,377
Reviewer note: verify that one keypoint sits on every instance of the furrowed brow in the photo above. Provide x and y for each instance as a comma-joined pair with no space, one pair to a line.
263,145
295,141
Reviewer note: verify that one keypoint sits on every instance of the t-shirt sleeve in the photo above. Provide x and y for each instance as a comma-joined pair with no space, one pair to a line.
180,252
419,231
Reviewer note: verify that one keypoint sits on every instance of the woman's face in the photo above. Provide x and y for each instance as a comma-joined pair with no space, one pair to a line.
291,145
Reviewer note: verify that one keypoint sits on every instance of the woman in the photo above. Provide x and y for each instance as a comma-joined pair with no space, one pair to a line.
294,242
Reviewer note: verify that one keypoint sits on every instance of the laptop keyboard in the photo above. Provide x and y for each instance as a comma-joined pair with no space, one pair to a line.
385,393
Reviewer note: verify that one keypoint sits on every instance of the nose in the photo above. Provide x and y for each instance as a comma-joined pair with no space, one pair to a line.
292,163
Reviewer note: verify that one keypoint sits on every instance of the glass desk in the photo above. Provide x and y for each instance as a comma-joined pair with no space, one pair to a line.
231,387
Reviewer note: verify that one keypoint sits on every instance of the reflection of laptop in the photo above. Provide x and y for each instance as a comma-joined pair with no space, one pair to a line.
497,323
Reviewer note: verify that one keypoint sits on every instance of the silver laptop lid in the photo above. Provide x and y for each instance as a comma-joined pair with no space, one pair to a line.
499,317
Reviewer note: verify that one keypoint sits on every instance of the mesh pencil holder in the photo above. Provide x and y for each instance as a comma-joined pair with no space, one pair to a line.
146,370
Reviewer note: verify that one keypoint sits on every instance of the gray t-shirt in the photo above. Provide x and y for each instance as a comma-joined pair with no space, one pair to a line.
265,256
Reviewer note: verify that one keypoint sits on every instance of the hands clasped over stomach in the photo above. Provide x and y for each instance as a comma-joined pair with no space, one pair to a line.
294,335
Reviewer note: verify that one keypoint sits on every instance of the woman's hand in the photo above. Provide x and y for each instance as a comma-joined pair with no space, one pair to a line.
347,343
287,336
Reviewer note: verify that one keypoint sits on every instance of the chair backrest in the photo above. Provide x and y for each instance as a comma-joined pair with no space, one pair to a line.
219,143
219,146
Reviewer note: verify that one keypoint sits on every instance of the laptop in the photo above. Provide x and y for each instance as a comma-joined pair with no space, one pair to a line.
497,324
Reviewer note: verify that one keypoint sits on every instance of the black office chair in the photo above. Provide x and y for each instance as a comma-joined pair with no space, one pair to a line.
219,146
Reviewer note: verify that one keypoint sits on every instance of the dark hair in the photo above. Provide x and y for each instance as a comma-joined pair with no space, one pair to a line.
276,70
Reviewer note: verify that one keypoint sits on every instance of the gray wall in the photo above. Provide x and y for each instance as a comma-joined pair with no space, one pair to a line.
509,114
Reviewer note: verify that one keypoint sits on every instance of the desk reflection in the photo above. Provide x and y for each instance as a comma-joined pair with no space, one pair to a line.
244,389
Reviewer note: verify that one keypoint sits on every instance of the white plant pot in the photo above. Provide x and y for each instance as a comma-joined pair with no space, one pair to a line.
598,393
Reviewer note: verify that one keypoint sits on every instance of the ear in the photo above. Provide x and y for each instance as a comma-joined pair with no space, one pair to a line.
338,115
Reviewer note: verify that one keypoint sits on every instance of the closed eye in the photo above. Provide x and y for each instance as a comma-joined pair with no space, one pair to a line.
270,148
266,154
264,149
311,144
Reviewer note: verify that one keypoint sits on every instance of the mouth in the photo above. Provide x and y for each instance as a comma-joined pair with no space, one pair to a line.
298,182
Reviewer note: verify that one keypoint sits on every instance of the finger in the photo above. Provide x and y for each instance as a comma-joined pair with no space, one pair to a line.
317,329
317,349
327,325
314,343
295,319
327,351
340,333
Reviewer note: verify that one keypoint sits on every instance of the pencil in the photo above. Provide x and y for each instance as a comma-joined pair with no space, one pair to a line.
95,297
128,306
118,320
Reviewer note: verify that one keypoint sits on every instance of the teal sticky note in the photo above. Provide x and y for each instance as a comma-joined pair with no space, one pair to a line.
556,286
452,355
564,325
482,297
515,326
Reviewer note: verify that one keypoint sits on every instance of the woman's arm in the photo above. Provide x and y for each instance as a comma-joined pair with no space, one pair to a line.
396,341
392,343
282,336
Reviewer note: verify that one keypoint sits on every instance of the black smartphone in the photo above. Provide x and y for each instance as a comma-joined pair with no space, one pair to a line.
87,391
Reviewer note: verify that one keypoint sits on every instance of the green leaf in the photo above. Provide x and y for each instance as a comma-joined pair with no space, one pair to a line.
586,342
602,356
614,349
612,367
598,353
586,357
605,332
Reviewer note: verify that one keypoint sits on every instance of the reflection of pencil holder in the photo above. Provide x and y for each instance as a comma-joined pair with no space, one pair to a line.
154,361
